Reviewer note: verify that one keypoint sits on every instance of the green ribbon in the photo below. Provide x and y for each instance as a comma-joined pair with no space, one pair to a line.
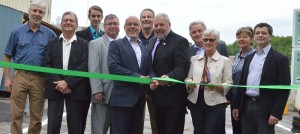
122,77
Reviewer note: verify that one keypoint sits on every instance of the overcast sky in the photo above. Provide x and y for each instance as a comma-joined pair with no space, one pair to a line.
225,16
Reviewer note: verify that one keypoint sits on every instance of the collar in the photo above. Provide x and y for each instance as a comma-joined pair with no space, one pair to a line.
27,27
94,30
110,39
74,38
215,57
141,34
264,50
250,50
131,40
195,46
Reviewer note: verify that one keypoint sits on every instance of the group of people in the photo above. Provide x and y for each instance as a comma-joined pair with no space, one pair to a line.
149,49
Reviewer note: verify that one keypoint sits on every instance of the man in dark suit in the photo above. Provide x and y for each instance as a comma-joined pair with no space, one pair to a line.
196,29
128,57
68,52
261,109
170,59
95,15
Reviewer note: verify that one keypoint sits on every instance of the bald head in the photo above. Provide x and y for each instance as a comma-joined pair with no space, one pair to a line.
132,27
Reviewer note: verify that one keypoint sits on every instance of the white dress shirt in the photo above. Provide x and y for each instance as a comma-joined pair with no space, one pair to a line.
67,49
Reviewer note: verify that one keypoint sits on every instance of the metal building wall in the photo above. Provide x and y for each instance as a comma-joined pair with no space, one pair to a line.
10,19
23,5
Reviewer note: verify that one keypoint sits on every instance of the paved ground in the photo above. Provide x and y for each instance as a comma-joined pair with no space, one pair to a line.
283,127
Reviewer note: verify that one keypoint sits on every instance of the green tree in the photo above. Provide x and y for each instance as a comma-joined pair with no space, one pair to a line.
283,44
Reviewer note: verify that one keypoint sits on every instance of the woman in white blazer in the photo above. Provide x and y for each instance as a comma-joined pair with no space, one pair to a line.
207,104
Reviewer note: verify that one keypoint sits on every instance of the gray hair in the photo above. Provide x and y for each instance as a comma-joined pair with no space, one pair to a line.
147,9
212,32
165,16
69,13
198,22
38,3
110,16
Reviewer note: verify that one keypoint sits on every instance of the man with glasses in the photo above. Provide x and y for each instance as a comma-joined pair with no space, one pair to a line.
95,15
128,99
101,89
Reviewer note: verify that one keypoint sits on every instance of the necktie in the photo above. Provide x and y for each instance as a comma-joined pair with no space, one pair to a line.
205,79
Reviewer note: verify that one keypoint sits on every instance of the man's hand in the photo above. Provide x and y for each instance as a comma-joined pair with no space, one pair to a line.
60,85
272,120
144,76
8,85
67,91
235,114
153,85
163,83
99,96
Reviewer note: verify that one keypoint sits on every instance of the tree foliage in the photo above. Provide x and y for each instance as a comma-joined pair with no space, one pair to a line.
280,43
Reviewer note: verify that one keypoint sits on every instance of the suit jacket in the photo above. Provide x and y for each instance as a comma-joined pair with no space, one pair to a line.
98,50
275,72
78,60
221,48
220,72
87,34
171,59
122,61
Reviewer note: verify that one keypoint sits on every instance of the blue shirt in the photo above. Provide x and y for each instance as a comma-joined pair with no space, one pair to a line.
237,68
144,40
96,34
26,46
199,50
255,70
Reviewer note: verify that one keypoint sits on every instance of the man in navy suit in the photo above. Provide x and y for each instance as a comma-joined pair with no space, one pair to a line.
260,109
170,59
92,32
128,57
68,52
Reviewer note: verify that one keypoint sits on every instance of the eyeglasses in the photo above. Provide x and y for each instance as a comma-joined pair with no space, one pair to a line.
209,40
112,24
132,24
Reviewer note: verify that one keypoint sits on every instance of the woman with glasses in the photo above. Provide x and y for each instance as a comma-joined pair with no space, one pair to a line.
244,37
207,103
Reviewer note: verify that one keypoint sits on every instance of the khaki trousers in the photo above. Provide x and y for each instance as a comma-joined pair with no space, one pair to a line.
32,84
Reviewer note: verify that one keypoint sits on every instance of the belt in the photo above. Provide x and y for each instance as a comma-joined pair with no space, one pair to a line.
252,98
29,72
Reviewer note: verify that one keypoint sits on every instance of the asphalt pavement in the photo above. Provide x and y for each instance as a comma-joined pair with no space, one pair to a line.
283,127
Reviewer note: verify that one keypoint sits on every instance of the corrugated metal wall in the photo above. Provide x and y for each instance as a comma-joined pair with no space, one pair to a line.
23,6
10,19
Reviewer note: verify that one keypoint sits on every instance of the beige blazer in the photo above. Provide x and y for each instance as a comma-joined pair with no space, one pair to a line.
220,72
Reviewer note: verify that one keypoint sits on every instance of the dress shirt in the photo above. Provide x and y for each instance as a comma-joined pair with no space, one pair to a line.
26,46
199,50
96,33
67,49
136,48
154,49
237,67
255,71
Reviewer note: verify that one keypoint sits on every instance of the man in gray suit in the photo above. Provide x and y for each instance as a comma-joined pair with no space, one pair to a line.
101,89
